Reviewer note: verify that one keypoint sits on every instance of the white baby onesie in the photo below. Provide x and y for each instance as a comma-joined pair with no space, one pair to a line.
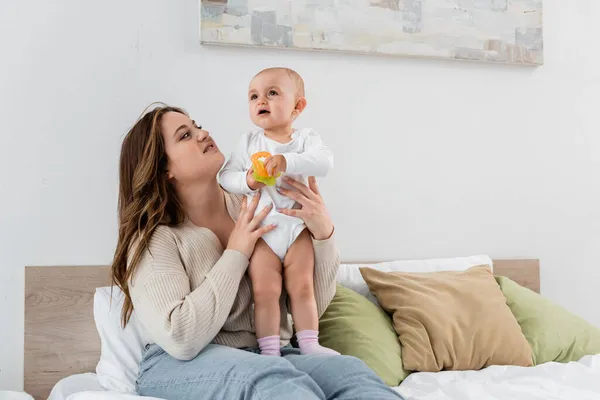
305,155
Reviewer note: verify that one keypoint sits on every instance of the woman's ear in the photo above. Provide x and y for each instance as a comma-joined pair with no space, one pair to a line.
169,175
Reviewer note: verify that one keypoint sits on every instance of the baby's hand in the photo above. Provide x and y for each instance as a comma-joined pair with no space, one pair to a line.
276,165
252,183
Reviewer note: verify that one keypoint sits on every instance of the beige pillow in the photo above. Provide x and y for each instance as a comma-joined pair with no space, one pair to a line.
450,320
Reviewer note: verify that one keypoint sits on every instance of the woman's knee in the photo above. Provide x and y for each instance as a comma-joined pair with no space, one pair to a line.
344,377
272,375
351,365
256,366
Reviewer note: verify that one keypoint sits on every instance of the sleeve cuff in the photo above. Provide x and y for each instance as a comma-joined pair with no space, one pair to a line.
245,188
290,163
325,248
234,263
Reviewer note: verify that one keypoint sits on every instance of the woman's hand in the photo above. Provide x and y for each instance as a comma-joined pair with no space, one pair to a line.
247,229
313,211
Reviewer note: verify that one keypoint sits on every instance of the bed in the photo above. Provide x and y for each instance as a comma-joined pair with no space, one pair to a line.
62,346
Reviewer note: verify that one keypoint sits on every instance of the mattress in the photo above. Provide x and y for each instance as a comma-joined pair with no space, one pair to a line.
550,381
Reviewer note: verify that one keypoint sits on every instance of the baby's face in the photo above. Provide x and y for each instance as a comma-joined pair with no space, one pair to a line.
272,99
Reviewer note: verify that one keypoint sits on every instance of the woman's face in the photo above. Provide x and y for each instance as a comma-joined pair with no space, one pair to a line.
192,154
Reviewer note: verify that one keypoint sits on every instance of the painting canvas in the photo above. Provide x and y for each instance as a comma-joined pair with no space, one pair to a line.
499,31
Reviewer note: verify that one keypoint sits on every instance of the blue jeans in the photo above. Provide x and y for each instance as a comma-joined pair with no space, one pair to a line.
221,372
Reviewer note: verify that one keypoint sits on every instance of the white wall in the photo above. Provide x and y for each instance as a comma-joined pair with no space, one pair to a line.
465,158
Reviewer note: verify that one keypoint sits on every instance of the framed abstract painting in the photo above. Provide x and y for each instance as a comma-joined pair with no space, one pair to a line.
496,31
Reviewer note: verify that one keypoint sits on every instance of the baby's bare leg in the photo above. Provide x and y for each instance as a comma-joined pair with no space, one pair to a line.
299,268
299,265
265,274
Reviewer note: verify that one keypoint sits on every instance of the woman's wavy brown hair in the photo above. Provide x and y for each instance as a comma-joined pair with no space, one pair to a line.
146,198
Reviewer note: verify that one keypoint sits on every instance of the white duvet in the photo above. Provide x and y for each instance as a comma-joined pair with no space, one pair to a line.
572,381
551,381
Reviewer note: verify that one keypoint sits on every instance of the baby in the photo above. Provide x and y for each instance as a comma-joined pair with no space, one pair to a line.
276,99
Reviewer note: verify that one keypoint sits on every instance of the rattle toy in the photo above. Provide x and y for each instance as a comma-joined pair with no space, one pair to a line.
260,172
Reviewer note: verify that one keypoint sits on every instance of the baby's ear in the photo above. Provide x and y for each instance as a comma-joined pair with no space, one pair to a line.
300,106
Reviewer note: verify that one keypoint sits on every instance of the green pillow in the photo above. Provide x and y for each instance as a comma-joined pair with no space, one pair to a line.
553,333
354,326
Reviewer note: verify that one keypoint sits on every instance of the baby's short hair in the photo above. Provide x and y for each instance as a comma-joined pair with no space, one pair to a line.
294,76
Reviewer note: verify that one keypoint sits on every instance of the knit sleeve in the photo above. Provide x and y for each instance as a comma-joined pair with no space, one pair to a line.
180,320
327,262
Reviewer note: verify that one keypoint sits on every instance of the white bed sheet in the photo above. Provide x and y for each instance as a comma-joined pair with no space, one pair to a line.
550,381
87,387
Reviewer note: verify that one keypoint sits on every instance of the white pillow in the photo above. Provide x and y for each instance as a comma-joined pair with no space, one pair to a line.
121,349
349,275
74,384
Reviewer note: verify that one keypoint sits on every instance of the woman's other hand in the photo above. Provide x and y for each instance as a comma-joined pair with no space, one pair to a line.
248,229
313,211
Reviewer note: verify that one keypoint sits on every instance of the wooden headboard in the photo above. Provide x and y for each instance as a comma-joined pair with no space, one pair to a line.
60,333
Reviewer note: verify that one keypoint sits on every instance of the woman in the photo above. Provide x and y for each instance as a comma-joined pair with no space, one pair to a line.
184,247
